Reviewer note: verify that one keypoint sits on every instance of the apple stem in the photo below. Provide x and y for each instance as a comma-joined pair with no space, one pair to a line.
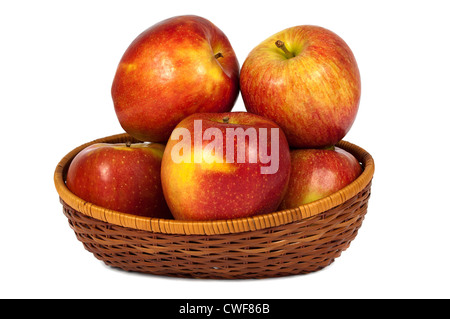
280,44
226,119
128,143
218,55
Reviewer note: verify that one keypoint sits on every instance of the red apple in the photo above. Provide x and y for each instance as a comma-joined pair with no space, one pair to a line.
179,66
121,177
306,79
318,173
225,165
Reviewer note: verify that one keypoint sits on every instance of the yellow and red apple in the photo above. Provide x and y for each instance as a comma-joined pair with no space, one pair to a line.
225,165
121,177
305,79
317,173
177,67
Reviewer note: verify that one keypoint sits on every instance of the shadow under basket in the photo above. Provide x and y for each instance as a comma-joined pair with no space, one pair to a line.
289,242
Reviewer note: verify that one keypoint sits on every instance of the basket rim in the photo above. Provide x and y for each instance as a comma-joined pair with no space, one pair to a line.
237,225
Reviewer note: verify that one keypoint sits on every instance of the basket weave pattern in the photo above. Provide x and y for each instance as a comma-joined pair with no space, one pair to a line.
290,242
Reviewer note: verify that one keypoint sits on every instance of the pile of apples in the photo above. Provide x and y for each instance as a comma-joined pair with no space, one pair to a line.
178,82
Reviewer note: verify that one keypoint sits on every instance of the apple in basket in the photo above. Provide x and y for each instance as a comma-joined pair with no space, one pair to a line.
225,165
317,173
121,177
305,79
177,67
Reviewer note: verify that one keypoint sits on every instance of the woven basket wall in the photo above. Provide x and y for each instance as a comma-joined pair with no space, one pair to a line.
289,242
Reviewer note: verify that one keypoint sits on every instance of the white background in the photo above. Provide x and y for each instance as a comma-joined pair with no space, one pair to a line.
58,60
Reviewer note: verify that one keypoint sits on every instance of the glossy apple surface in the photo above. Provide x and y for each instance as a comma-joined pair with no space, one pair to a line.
316,174
121,177
179,66
234,179
305,79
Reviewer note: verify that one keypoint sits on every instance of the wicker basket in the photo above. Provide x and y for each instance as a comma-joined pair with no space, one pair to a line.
289,242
